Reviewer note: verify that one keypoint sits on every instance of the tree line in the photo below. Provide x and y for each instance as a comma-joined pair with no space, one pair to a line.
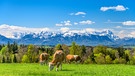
14,53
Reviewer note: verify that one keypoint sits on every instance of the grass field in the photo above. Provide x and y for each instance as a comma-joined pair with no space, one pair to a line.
34,69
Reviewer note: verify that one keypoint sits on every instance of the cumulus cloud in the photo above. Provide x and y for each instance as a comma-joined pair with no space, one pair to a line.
90,30
78,13
67,23
9,31
132,34
75,23
59,24
116,8
124,33
64,29
64,23
118,27
87,22
129,23
121,33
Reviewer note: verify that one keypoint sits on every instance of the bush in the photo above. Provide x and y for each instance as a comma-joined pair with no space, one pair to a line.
25,59
108,59
116,61
132,60
122,61
88,61
3,59
100,58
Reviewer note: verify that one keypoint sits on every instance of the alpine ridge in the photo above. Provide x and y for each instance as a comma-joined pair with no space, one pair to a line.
82,38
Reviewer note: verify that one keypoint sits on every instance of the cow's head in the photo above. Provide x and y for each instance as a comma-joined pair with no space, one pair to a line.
51,66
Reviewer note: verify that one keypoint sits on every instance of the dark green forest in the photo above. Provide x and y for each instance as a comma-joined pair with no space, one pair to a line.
14,53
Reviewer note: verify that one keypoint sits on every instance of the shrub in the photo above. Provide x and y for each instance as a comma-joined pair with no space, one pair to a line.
108,59
122,61
132,60
88,61
116,61
25,59
3,59
100,58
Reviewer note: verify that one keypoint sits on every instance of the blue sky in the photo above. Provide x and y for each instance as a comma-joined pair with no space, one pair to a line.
115,15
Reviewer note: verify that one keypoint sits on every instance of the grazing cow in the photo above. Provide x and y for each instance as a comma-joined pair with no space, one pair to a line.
44,58
58,58
71,58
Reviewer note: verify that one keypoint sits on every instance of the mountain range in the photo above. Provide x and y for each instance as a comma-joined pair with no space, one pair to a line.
52,38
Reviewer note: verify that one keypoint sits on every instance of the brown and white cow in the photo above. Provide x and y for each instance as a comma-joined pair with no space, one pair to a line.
44,57
71,58
58,58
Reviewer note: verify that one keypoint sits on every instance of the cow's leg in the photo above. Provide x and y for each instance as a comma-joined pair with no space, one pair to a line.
57,66
69,62
61,66
41,62
46,62
78,61
56,69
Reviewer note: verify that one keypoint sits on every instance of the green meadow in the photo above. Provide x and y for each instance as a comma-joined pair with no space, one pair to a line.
34,69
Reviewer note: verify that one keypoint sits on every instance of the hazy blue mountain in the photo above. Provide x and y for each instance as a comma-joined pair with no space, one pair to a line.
52,38
4,40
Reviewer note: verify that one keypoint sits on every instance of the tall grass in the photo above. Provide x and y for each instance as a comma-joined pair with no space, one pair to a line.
34,69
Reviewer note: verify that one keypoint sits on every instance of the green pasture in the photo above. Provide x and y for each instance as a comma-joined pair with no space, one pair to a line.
34,69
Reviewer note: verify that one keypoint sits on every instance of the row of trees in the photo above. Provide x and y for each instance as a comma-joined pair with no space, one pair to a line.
14,53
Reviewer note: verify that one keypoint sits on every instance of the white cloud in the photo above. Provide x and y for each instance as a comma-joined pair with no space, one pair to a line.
9,31
75,23
78,13
64,29
121,33
132,34
126,33
67,23
64,23
118,27
59,24
90,30
87,22
129,23
71,13
116,8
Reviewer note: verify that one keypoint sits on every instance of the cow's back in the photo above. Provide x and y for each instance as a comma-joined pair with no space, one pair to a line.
77,58
70,57
44,56
58,56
